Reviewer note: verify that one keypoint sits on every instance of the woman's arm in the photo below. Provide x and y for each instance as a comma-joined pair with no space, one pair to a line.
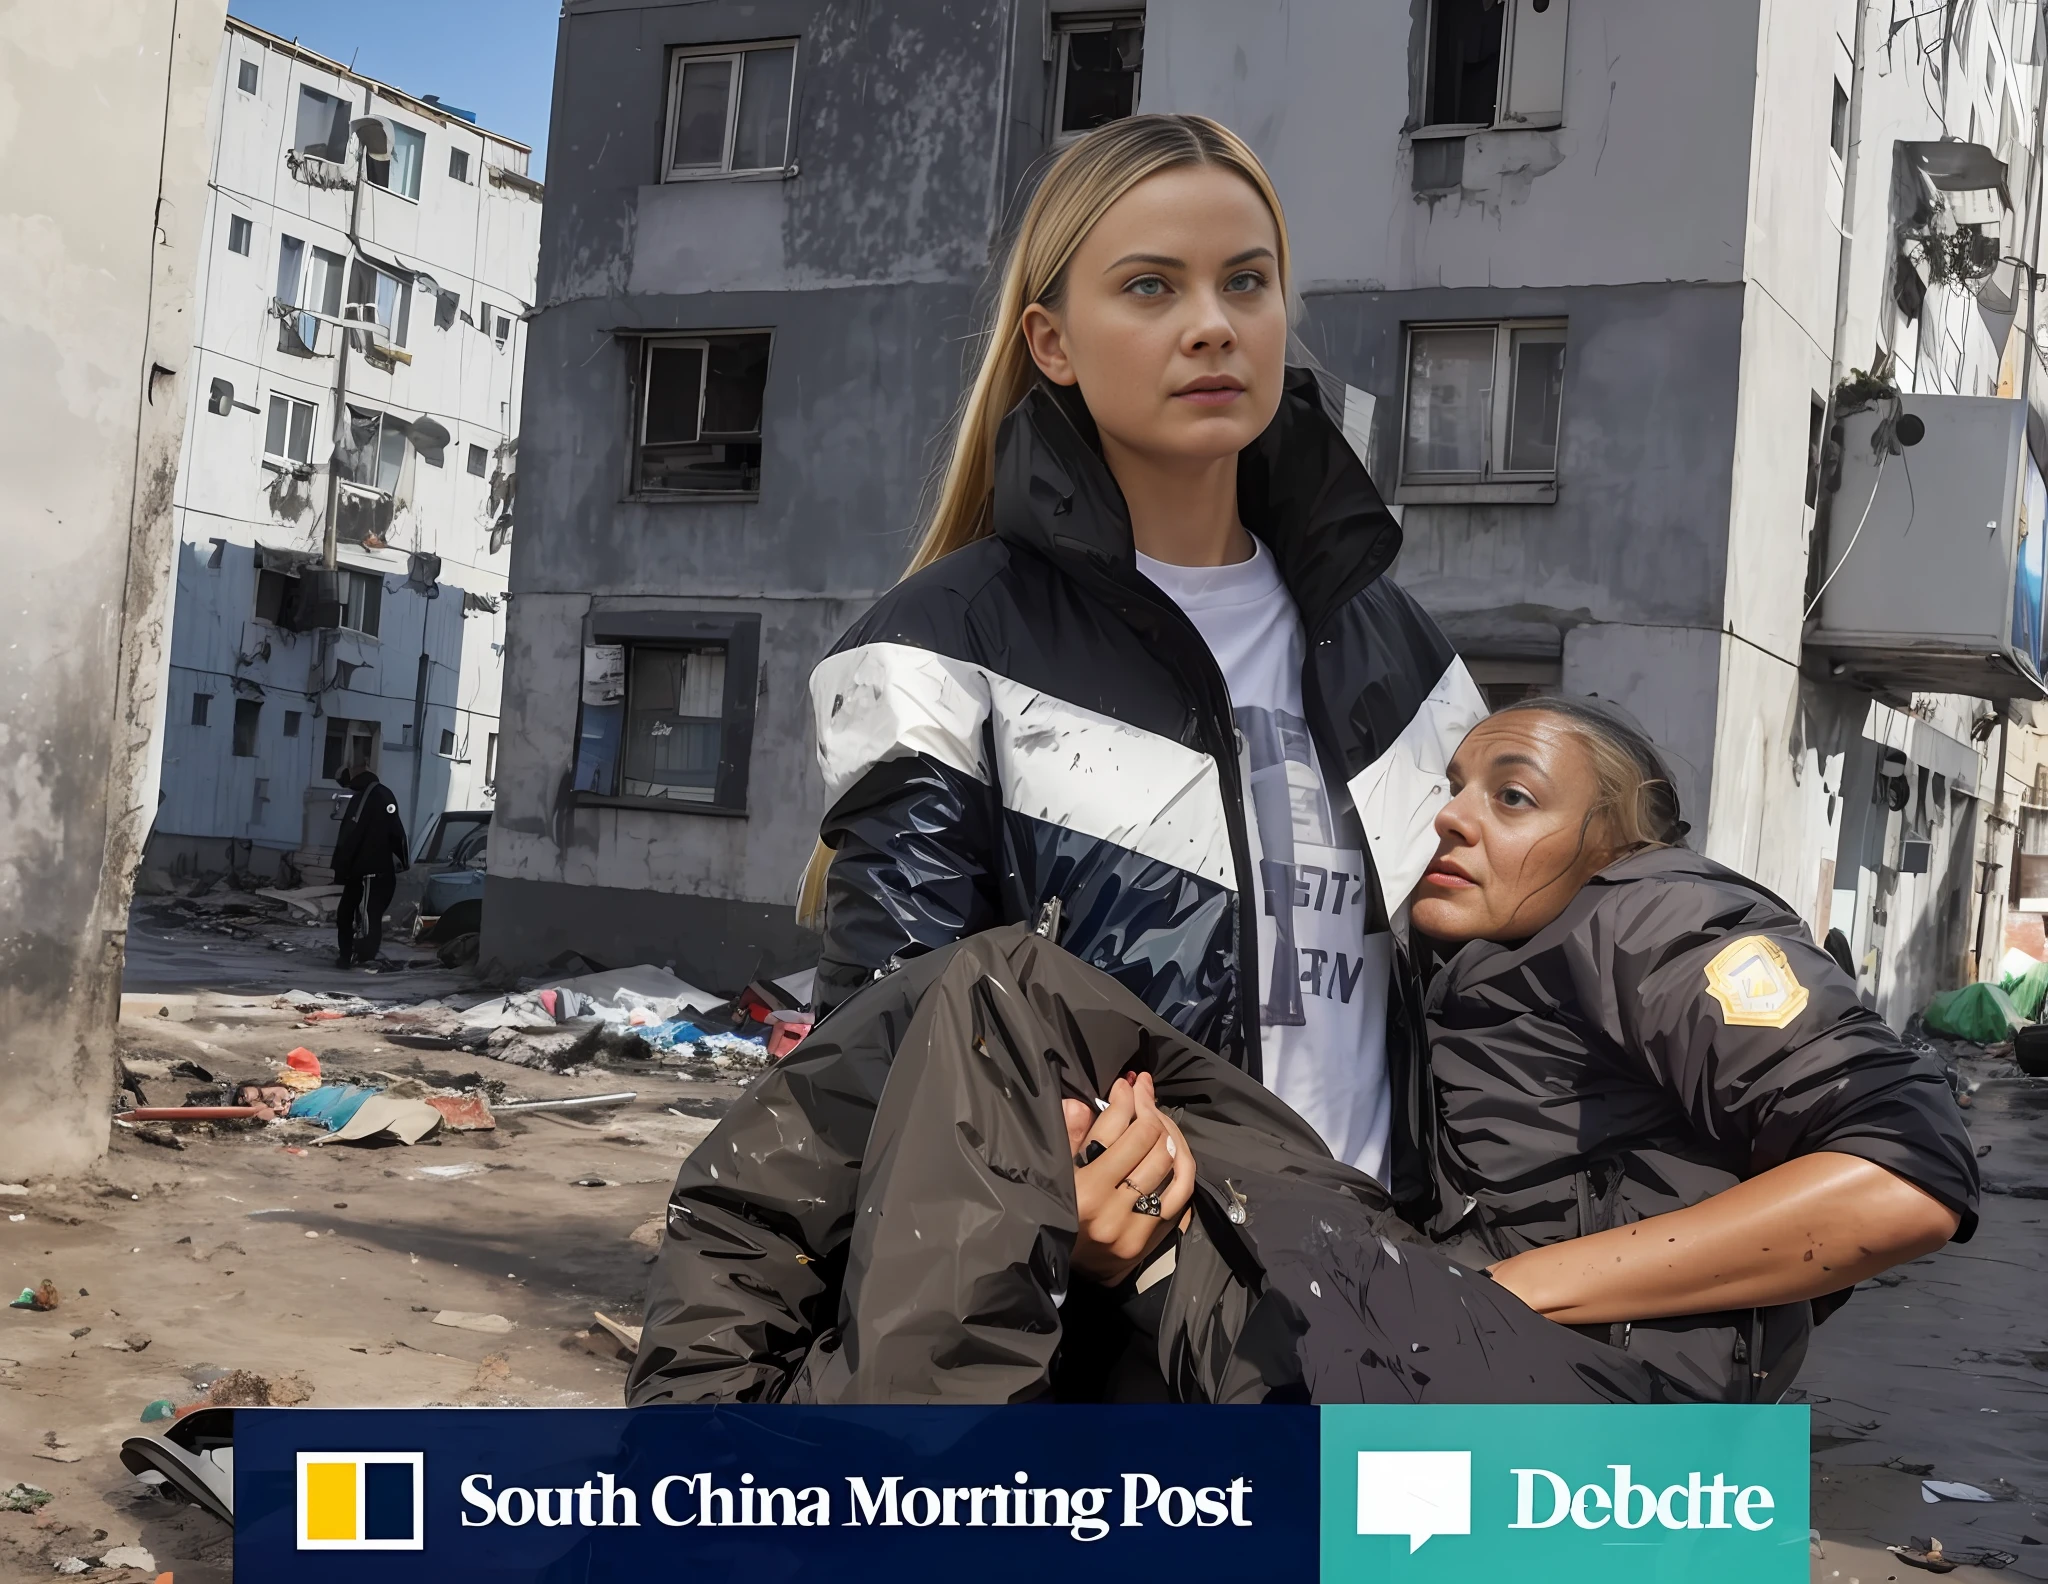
1812,1226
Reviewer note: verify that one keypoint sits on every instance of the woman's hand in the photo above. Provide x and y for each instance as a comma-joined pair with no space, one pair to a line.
1143,1158
1813,1226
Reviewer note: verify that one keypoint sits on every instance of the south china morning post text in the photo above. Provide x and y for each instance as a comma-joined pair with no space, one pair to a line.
701,1500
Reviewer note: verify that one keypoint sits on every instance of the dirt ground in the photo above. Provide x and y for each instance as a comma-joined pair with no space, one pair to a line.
327,1263
329,1266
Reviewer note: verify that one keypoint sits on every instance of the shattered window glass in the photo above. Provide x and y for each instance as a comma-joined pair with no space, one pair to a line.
701,413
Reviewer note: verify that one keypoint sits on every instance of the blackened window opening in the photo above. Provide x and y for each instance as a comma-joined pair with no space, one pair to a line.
1464,63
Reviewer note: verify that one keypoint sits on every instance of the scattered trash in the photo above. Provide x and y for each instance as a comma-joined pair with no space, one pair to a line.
1930,1555
23,1498
470,1113
578,1103
41,1298
81,1332
14,1190
628,1335
1934,1490
234,1113
465,1169
591,1182
302,1060
462,1320
128,1556
160,1410
72,1565
799,986
17,1218
58,1454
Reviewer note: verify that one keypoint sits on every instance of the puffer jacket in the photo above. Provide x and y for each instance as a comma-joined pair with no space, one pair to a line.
888,1215
1673,1032
1030,719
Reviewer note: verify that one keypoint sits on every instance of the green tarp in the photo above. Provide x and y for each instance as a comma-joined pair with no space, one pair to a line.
2028,990
1981,1013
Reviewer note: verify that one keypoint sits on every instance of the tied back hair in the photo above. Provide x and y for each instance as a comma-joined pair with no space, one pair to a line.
1636,801
1078,189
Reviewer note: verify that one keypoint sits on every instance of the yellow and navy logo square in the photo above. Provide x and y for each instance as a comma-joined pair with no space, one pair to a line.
362,1501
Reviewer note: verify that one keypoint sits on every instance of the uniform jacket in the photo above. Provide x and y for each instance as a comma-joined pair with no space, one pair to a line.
1030,718
372,839
888,1215
1673,1032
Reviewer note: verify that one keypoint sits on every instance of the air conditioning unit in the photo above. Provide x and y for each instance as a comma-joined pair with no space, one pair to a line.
1933,573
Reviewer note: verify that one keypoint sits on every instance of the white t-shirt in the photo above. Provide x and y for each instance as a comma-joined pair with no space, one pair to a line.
1322,979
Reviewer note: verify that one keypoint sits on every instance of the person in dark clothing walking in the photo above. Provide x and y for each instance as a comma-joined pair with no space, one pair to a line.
1662,1114
368,855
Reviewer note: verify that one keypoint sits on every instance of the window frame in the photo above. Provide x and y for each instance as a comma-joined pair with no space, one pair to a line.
372,586
244,69
1503,121
285,458
641,346
346,106
478,462
1492,483
679,56
740,634
398,333
243,227
1064,25
459,156
248,724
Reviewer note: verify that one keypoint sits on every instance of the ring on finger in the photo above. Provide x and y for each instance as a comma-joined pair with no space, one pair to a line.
1147,1204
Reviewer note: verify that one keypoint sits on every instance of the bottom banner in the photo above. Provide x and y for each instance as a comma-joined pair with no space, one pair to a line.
1272,1495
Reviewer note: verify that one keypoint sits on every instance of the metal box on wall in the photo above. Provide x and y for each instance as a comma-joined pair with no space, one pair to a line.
1933,579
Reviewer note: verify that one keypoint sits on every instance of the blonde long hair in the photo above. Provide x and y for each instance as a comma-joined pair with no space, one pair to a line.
1078,189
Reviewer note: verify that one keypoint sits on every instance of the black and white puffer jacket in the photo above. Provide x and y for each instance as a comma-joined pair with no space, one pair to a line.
1030,718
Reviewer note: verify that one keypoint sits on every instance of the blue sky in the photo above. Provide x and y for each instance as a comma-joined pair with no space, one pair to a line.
496,57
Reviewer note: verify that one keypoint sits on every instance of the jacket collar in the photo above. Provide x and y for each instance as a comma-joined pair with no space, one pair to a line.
1300,488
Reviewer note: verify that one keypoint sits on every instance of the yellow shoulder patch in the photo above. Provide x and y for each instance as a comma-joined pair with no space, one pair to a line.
1754,982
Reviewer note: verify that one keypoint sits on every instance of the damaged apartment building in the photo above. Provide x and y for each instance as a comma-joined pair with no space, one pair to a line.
344,494
1675,333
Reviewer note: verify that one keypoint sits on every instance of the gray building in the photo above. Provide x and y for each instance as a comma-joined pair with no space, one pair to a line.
1600,269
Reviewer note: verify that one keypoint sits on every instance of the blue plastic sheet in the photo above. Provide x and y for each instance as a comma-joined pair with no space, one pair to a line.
331,1105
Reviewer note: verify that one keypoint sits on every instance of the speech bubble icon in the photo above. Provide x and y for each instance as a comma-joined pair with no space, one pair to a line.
1417,1494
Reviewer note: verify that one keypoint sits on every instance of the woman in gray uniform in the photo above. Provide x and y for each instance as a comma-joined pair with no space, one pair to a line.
1662,1113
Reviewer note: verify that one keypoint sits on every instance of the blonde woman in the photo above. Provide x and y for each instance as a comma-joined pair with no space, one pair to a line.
1147,665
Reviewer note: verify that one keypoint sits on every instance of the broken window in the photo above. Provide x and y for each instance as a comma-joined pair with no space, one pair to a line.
699,414
447,743
380,295
323,125
289,433
247,75
659,730
1097,63
248,712
458,164
400,173
373,451
315,286
201,703
479,461
728,110
501,329
351,746
362,601
1484,403
1494,63
291,722
259,801
240,231
274,604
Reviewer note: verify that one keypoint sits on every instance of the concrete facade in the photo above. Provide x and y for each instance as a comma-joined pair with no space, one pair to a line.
254,695
1680,209
103,114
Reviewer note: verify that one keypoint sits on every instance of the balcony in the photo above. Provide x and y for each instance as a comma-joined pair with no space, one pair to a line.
1933,565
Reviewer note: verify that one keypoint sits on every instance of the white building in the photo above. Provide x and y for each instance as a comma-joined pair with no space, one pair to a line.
385,453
